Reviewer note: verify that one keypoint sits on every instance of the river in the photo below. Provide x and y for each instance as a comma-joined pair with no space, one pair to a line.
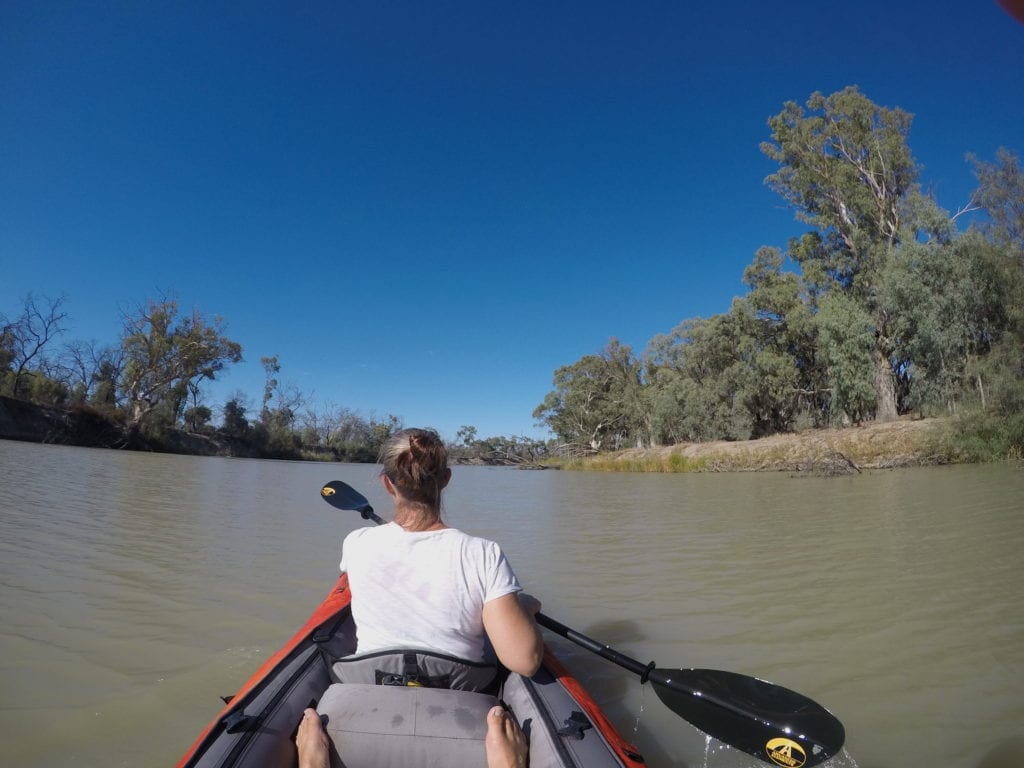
137,588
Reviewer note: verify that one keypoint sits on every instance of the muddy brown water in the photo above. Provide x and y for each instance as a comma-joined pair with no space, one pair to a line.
137,588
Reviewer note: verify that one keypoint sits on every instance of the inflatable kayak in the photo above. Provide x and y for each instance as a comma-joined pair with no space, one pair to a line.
406,725
410,708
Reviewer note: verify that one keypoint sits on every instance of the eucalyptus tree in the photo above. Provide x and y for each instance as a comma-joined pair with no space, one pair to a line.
235,424
700,376
955,298
279,411
847,348
778,313
846,168
598,401
1001,194
164,352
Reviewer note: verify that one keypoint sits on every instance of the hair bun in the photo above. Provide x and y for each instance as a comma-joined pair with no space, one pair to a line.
416,460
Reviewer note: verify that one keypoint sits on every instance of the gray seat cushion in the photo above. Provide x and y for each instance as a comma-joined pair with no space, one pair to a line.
383,726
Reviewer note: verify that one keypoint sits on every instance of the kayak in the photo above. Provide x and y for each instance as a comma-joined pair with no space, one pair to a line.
407,725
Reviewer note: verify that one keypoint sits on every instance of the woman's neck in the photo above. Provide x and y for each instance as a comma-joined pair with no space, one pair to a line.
416,518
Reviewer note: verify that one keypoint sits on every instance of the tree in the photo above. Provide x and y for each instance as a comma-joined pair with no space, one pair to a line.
23,342
596,404
164,353
846,168
278,414
1001,194
197,417
91,372
466,435
235,424
271,368
847,343
701,373
779,315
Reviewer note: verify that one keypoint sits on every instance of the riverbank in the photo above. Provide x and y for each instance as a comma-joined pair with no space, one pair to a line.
89,428
904,443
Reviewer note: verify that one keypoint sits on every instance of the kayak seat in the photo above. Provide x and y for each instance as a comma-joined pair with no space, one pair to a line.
414,667
383,726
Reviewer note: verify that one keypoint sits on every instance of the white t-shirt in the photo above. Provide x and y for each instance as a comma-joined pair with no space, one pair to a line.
423,589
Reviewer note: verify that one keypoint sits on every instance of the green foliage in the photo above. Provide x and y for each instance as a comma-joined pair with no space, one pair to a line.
43,389
701,378
598,402
1001,194
271,367
989,437
466,435
198,418
165,353
6,345
235,424
846,168
846,342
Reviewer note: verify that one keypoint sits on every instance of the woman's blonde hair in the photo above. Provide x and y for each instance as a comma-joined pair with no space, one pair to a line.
416,462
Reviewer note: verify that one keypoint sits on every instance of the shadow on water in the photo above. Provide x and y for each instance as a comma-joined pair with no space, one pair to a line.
1006,754
638,713
615,632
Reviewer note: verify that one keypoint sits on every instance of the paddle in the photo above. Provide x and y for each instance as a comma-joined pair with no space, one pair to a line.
768,721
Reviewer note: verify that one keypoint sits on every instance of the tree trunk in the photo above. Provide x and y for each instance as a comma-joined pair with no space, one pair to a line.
885,389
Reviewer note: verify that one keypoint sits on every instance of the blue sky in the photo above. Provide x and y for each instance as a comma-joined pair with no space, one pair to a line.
426,208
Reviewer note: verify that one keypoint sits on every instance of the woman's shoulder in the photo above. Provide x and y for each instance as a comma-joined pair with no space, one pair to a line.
471,541
372,532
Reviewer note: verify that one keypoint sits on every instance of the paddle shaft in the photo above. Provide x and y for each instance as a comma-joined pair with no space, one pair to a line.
592,645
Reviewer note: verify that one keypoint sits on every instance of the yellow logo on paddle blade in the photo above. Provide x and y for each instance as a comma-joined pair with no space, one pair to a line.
786,753
326,491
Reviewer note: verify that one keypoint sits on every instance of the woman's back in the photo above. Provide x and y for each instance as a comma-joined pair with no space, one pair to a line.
417,583
423,589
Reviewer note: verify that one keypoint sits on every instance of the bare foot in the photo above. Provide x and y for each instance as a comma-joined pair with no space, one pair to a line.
312,742
505,743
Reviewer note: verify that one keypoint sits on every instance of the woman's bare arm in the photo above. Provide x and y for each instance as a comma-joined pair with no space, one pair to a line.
514,633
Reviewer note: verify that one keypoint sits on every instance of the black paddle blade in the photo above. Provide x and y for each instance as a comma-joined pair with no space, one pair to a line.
772,723
344,496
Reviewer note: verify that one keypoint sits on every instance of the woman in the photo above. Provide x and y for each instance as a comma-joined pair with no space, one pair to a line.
417,583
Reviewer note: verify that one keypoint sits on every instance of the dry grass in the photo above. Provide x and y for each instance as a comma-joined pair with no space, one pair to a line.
828,451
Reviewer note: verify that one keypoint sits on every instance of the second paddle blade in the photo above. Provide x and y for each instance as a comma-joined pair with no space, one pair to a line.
772,723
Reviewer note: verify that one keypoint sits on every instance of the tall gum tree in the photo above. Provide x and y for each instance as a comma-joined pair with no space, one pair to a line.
164,352
846,168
